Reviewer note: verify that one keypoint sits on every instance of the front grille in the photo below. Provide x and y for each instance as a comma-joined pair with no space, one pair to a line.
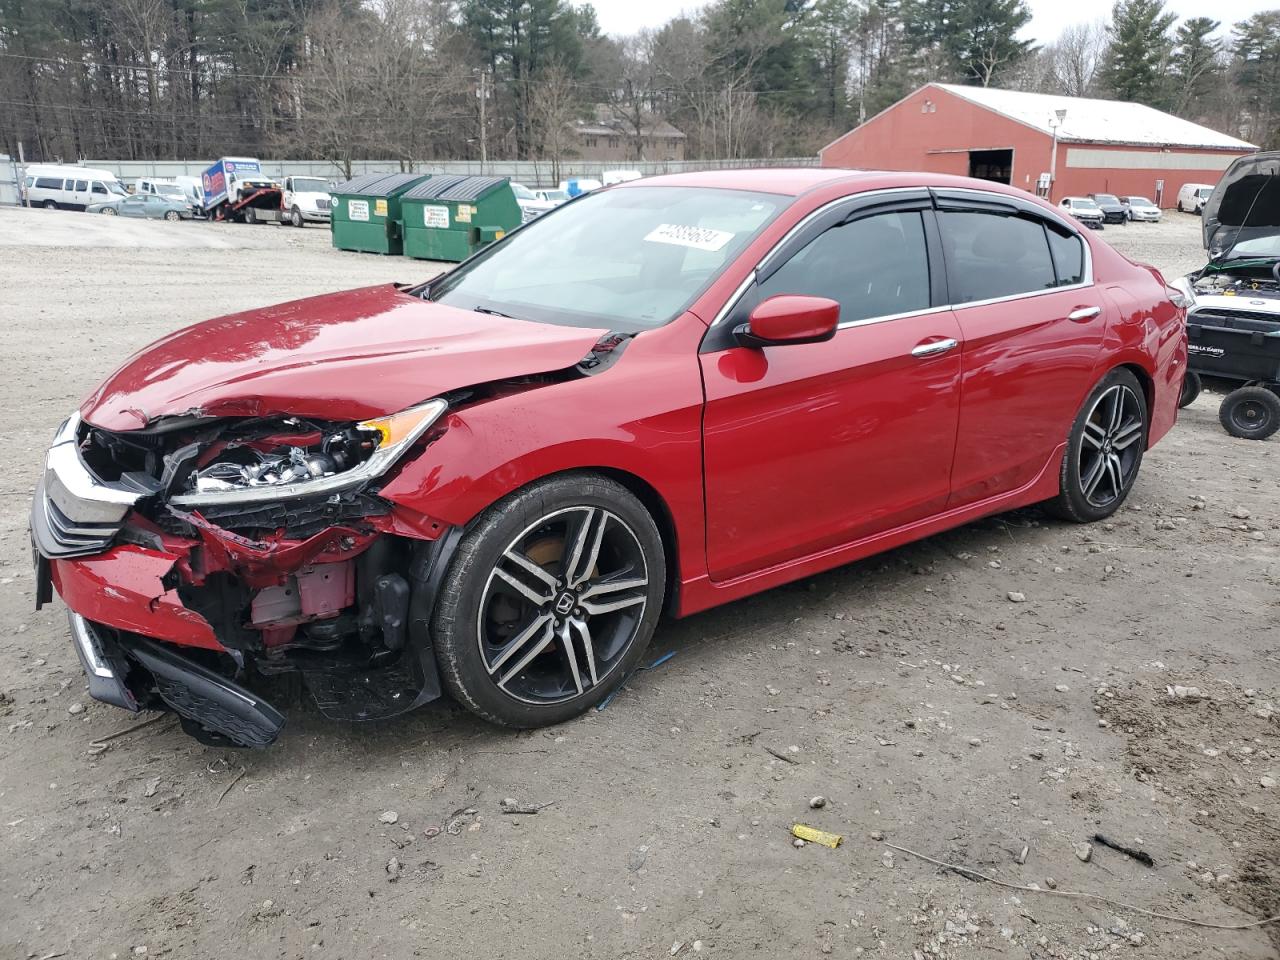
322,204
74,513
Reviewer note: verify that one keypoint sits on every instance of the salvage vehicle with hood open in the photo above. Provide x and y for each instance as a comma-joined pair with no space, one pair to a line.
1233,326
659,397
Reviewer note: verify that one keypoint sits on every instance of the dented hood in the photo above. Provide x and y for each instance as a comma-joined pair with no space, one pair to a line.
345,356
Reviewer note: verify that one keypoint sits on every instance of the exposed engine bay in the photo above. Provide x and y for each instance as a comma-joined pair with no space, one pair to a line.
1238,281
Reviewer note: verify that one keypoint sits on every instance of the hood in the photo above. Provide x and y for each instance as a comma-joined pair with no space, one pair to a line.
345,356
1245,204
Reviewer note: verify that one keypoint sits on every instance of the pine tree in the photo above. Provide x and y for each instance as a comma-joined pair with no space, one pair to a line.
983,38
1196,64
1139,53
1257,49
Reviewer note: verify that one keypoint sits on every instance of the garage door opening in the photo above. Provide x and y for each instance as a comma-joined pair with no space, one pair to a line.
994,165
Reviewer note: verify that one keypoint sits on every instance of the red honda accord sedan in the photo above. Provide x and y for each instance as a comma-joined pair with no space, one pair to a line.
660,397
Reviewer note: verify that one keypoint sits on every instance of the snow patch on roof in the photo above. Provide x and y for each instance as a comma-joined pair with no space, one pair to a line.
1096,121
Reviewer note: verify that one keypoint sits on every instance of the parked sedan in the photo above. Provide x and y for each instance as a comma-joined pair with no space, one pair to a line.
473,486
1113,211
149,206
1084,210
1140,208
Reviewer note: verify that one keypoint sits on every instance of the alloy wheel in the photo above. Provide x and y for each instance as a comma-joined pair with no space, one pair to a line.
562,605
1109,454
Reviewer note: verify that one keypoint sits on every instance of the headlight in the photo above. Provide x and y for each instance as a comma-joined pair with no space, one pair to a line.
1181,293
328,467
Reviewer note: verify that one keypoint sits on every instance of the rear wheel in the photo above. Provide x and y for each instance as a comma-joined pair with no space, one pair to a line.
50,205
1251,413
1104,450
249,215
550,601
173,216
1191,387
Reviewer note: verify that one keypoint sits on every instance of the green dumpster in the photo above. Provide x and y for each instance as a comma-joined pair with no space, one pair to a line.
451,217
365,212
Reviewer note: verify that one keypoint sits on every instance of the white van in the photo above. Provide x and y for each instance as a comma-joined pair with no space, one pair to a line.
1192,196
157,187
59,186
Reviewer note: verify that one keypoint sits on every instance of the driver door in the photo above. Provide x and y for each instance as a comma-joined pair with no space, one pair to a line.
811,446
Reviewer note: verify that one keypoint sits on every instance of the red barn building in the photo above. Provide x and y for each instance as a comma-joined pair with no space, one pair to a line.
1101,146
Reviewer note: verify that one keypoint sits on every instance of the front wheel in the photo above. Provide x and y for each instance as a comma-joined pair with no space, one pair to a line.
1251,413
1191,387
1104,450
109,211
550,601
50,205
295,217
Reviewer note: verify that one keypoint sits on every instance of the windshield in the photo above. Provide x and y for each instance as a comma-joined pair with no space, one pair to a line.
1104,198
170,191
310,185
1140,202
114,187
1084,204
628,259
1268,246
556,196
522,192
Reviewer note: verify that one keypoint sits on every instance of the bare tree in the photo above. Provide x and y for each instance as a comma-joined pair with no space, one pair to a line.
1076,57
553,111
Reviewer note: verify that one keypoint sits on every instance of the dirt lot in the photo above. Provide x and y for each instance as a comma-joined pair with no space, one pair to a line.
908,690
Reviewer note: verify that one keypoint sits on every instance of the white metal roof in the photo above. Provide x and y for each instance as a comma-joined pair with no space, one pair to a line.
1096,121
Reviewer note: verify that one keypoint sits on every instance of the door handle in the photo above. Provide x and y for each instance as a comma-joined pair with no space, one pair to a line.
935,348
1081,314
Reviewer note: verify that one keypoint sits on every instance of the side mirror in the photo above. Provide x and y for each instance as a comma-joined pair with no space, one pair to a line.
789,318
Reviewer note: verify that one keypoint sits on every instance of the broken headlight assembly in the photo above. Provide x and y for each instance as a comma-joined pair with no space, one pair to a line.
334,461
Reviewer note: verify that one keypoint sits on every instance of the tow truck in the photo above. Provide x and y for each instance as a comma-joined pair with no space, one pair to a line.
235,188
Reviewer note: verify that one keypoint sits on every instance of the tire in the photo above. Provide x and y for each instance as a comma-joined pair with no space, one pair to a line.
562,666
249,215
173,216
110,212
50,205
295,217
1191,387
1251,413
1104,450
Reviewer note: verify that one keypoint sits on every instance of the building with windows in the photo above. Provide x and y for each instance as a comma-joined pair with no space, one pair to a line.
1050,145
606,138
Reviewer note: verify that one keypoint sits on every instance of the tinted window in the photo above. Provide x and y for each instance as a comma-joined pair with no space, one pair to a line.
1068,256
873,267
48,183
99,188
82,185
989,255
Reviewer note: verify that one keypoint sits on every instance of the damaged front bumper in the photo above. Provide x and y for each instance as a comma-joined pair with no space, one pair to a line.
188,622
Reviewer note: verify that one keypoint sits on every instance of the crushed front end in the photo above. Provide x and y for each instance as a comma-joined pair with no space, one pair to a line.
200,557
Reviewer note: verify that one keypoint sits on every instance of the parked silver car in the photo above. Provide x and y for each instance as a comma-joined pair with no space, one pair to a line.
1140,208
150,207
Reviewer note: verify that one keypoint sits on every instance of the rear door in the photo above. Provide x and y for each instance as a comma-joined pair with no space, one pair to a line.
811,446
1020,283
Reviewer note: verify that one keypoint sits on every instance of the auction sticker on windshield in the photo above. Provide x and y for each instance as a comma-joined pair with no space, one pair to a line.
358,209
700,238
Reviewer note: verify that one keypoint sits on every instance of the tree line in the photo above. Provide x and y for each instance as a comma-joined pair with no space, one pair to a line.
420,80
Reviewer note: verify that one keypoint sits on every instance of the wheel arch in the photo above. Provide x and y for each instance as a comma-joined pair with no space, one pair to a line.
1146,381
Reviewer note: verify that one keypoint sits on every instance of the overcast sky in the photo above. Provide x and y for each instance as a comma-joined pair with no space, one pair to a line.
628,16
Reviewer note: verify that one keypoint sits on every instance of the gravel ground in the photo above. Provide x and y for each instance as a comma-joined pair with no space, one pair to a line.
928,708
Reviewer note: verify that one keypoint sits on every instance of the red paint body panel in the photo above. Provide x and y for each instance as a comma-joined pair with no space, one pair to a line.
346,356
121,588
807,446
933,130
1027,370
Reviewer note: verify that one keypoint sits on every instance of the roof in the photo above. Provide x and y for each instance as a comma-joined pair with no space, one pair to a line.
454,187
378,184
1096,121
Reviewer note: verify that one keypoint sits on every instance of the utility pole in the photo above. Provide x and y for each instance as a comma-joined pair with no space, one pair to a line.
1053,157
483,93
